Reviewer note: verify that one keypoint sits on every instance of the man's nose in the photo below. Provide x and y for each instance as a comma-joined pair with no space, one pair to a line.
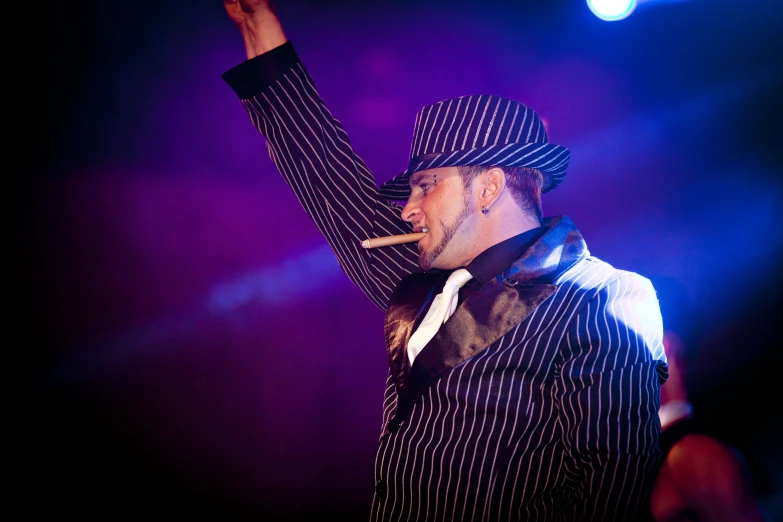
409,211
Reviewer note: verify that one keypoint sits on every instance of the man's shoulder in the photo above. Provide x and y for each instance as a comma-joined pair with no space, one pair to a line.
593,280
593,272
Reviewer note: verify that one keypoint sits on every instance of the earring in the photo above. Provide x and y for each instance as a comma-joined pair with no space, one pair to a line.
484,210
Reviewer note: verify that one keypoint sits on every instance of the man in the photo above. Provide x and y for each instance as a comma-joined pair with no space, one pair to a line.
702,478
537,399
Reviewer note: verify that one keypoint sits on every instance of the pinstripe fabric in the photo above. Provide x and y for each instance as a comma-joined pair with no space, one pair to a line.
555,418
480,130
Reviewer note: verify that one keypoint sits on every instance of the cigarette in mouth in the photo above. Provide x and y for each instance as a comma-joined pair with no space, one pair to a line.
393,240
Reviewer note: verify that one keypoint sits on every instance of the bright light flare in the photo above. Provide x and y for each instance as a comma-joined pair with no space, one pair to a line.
611,10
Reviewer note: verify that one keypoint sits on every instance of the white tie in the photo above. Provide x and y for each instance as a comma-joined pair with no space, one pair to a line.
441,309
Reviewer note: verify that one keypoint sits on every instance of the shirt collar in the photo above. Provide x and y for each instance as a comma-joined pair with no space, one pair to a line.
494,260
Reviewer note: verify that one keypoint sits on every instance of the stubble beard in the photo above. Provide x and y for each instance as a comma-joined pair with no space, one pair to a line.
427,258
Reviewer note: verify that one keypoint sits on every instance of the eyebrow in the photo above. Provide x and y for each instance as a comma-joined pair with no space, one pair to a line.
415,178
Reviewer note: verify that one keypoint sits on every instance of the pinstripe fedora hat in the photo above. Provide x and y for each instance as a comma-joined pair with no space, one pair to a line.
479,130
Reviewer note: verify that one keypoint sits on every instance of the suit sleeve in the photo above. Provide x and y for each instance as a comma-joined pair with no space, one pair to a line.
608,396
311,150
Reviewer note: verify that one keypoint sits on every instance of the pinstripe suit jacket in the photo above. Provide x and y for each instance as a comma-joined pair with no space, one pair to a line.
537,399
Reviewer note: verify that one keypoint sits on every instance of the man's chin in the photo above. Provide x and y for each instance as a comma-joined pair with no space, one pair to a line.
427,260
424,263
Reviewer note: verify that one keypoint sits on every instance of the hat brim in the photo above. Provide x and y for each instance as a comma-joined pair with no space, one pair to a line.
548,158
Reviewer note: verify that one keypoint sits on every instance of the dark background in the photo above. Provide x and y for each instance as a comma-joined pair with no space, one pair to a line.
190,346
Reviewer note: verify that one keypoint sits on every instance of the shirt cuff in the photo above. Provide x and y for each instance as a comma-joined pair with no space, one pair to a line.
255,75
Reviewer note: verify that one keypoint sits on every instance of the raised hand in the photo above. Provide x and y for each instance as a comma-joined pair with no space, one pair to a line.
244,11
257,21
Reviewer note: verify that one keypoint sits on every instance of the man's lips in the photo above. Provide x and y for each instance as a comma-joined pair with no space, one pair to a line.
425,230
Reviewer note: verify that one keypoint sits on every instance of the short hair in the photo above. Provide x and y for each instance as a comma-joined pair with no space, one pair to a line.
523,183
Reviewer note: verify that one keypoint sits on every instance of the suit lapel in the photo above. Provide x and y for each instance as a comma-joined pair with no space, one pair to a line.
484,317
481,320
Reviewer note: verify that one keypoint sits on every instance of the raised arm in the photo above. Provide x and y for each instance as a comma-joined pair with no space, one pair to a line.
311,149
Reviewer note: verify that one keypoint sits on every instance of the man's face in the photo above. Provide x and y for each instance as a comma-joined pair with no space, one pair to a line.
440,203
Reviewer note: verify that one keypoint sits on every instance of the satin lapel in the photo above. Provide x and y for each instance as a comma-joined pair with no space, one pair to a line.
500,305
406,303
481,320
555,252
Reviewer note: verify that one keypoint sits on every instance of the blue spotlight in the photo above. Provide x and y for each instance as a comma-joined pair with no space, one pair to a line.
611,10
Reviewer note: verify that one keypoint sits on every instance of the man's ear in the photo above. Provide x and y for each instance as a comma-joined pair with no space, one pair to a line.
492,182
